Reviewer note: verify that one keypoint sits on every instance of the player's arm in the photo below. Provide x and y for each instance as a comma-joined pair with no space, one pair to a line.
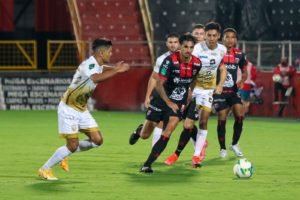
223,75
160,80
118,68
243,66
150,88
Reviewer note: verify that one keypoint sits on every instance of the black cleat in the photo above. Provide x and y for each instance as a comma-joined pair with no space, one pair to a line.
134,137
146,170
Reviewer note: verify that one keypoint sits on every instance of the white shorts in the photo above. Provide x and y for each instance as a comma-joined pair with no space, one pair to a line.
71,121
204,98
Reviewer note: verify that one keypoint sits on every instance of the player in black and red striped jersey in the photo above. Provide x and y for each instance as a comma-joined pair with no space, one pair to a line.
176,74
229,98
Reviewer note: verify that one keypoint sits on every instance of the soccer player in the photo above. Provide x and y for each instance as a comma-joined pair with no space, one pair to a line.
73,115
172,44
198,32
176,74
229,98
211,53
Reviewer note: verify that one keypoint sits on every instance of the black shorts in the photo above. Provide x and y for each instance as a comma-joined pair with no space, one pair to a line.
225,100
159,111
191,111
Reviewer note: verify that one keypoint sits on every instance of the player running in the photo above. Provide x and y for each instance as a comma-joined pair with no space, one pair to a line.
176,74
73,115
211,53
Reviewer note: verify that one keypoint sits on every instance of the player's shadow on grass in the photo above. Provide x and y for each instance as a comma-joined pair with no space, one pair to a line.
53,186
217,161
163,174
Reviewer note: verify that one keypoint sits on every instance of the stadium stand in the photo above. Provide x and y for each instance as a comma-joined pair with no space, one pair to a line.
121,21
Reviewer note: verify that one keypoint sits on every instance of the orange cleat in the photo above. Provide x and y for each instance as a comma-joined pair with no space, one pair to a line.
196,162
171,159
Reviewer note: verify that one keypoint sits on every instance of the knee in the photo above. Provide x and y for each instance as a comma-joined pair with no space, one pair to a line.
98,141
72,146
239,119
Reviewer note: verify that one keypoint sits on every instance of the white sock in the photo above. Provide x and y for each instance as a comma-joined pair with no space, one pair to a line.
156,135
193,142
85,145
58,156
201,137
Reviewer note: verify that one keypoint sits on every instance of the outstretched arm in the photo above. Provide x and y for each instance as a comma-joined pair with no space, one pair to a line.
106,74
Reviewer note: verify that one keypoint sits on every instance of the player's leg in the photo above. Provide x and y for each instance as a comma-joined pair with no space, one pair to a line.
62,152
222,108
157,132
221,130
201,136
204,102
188,130
238,125
143,131
161,144
68,120
153,117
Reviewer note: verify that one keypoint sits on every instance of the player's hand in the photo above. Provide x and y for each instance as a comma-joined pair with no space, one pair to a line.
219,89
147,103
173,106
122,66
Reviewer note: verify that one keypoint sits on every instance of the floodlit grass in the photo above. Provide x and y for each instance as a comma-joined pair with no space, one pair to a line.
29,138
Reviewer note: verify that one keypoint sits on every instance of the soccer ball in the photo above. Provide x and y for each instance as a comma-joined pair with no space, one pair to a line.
243,168
277,78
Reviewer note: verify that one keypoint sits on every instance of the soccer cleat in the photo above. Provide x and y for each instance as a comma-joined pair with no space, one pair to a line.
196,162
146,169
47,174
171,159
235,148
134,137
223,153
65,164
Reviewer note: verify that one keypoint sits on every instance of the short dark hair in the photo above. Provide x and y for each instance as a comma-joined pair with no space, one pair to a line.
213,26
229,30
198,26
101,43
187,37
172,35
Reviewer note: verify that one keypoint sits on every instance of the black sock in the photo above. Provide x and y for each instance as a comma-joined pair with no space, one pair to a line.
237,129
159,146
194,133
184,139
221,133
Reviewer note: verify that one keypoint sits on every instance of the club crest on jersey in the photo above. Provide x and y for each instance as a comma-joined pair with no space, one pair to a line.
91,66
212,61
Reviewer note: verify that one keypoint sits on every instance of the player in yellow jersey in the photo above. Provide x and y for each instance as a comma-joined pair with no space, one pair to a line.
73,116
211,54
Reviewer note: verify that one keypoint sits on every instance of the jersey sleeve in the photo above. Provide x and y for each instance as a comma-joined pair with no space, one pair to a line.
165,68
157,64
92,68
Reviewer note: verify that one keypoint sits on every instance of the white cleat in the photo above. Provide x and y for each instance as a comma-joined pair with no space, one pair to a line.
223,153
236,149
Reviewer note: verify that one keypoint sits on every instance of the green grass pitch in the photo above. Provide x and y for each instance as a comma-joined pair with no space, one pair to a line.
28,138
